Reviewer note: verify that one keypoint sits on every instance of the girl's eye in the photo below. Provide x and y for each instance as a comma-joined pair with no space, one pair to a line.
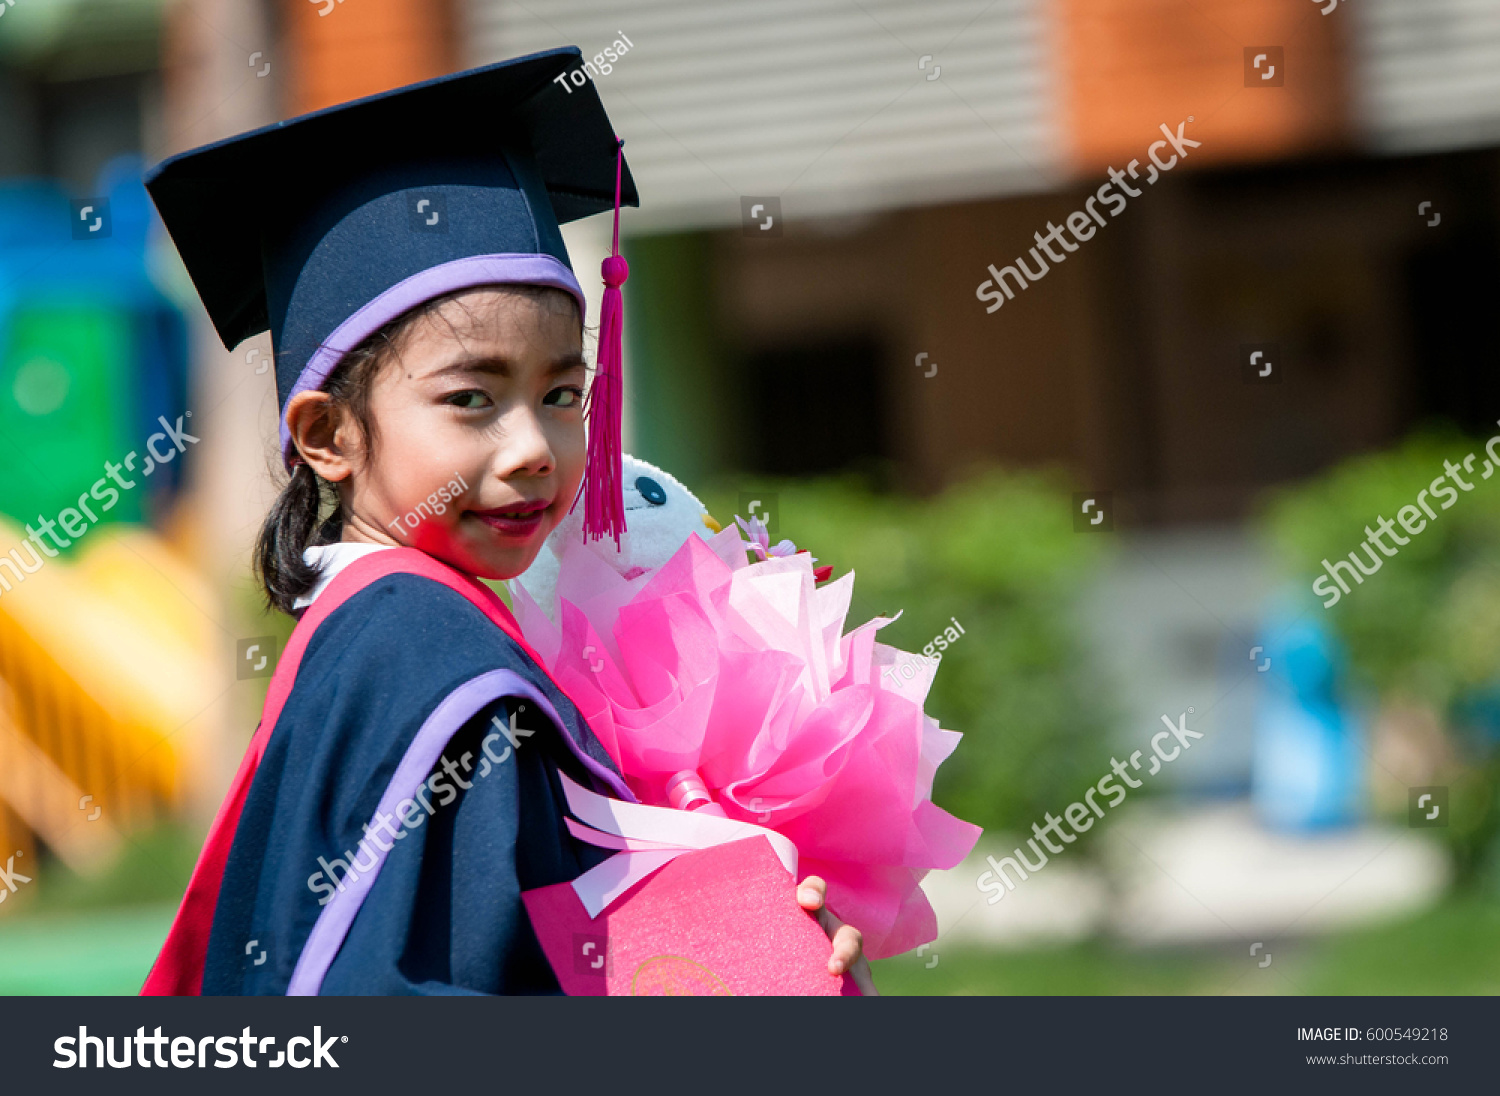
568,395
470,399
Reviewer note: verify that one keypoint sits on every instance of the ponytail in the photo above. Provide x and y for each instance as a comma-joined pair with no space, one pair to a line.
297,519
293,524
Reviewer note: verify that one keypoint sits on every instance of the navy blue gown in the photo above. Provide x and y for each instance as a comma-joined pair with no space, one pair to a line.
403,668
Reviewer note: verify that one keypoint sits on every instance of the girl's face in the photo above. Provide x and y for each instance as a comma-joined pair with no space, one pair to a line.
479,440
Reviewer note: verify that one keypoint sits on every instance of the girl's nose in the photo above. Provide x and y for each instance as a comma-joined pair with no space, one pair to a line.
524,448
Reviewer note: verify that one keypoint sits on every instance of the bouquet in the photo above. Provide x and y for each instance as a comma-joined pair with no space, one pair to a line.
723,681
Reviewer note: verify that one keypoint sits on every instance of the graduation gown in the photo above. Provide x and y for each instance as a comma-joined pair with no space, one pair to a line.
400,794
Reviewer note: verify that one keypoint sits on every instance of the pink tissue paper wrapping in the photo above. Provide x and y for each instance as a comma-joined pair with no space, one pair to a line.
741,674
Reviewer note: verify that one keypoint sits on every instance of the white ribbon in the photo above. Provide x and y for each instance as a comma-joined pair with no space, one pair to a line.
650,838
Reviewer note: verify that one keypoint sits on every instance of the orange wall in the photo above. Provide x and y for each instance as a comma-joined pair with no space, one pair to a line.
1130,65
362,47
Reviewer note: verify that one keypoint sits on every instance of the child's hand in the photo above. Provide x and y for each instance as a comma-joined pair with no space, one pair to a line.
848,951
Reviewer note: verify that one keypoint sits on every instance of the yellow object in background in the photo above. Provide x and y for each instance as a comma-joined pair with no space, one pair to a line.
109,670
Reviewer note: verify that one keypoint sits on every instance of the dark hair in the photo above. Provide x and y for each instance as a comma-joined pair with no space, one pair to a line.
308,512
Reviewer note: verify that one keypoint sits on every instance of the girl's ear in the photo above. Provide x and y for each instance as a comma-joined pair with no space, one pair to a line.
315,426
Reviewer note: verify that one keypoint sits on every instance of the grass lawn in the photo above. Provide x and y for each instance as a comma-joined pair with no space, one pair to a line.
1453,949
105,952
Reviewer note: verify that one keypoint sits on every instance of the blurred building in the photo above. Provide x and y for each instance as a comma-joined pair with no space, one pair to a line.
1339,216
118,707
826,186
79,80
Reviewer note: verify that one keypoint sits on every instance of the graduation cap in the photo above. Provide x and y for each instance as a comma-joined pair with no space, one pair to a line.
326,227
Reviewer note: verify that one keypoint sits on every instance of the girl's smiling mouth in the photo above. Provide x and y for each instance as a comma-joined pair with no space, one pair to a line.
519,520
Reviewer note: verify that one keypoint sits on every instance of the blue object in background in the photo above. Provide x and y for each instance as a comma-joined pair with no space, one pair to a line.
91,351
1308,764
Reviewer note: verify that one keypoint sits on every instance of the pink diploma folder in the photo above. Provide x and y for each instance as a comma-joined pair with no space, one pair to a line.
719,922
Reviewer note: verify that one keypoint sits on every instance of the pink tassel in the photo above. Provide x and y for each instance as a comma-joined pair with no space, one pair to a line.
604,493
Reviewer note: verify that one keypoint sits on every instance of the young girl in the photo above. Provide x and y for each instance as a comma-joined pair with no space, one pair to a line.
402,790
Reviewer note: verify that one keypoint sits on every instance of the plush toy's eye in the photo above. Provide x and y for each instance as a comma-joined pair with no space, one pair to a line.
651,491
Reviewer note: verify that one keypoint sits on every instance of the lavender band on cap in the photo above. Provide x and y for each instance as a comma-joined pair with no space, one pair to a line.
467,273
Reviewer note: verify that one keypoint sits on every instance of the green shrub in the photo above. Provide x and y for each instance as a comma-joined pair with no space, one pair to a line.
1426,626
998,552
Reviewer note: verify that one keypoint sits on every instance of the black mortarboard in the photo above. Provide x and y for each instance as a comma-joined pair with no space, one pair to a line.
325,227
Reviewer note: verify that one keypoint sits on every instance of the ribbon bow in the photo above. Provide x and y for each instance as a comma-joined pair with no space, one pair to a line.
649,838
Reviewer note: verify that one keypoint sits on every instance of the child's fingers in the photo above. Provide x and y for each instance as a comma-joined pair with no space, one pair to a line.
847,939
848,945
848,942
810,892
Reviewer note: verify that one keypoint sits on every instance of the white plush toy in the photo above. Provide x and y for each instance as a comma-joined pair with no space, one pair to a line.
660,514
